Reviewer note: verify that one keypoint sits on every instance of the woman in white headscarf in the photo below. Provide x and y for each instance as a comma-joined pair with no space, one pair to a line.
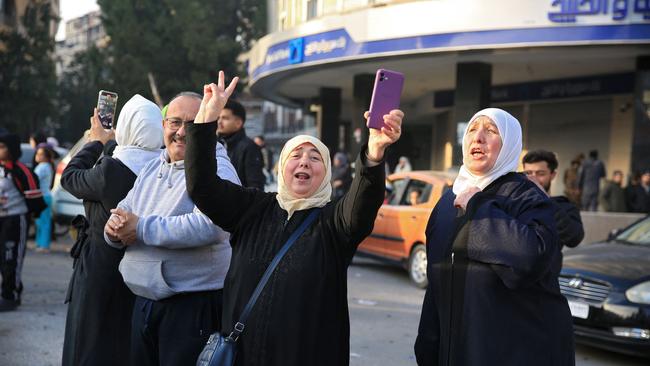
301,317
98,324
493,262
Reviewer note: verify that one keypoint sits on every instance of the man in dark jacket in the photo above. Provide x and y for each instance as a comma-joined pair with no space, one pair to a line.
613,196
19,196
540,167
592,171
638,195
244,154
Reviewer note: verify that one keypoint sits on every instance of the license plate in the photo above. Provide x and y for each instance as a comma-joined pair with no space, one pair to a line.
579,309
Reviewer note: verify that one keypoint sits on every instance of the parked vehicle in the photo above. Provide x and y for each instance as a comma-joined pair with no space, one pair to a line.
65,206
607,285
399,232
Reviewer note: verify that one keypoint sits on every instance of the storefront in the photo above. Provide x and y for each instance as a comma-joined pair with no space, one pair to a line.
575,73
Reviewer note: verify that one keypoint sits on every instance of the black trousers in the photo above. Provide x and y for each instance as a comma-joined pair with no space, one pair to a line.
173,331
13,242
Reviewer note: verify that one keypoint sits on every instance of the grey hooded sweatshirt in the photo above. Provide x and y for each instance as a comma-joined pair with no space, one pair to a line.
178,248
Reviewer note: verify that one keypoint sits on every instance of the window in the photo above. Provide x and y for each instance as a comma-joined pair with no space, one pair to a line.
416,192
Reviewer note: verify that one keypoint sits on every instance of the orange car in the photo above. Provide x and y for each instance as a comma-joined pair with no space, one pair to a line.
398,235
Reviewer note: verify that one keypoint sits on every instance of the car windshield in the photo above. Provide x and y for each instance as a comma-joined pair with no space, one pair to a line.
638,233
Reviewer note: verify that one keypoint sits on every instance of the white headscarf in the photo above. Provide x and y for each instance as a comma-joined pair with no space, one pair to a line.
139,133
508,159
320,198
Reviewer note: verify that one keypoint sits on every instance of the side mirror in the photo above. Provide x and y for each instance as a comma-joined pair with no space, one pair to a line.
613,234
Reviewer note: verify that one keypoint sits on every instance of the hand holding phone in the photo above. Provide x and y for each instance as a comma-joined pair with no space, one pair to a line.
106,105
385,96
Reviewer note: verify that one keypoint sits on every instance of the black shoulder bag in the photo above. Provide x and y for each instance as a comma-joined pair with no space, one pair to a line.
220,350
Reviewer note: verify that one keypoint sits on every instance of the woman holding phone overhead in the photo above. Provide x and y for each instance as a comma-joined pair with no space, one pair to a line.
493,262
301,316
98,324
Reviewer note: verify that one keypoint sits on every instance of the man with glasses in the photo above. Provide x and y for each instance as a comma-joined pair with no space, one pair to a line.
540,167
176,258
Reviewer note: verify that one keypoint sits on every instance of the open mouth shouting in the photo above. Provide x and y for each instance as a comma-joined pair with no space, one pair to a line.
477,153
302,176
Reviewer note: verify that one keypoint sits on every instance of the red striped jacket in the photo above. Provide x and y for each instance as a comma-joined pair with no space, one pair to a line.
27,184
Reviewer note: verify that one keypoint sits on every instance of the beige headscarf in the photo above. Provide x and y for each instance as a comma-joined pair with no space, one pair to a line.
320,198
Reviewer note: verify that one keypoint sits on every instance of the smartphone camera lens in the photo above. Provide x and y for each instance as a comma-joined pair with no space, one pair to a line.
381,76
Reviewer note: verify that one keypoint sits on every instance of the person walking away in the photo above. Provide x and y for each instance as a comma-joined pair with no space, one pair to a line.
540,166
301,317
493,254
591,172
176,258
244,154
98,320
613,197
20,196
45,173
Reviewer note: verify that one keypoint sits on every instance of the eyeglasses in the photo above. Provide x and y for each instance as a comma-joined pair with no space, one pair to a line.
176,123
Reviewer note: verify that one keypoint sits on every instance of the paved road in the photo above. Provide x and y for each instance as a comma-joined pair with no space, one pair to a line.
384,313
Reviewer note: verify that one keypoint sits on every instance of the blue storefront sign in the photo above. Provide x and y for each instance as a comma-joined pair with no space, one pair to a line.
550,89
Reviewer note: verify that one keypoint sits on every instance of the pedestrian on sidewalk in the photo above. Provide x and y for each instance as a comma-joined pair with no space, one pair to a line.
613,197
20,196
98,322
493,261
44,157
301,317
592,170
176,259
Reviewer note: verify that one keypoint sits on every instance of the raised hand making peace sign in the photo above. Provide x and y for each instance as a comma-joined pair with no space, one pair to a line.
215,97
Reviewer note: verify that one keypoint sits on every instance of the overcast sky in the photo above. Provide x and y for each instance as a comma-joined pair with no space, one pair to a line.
72,9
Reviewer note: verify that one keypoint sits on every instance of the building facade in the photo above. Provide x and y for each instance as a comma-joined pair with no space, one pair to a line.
80,34
575,73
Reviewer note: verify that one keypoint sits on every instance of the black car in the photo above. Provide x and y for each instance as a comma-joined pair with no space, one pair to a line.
607,285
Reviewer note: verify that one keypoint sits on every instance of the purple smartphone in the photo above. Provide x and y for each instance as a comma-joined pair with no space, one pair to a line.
385,96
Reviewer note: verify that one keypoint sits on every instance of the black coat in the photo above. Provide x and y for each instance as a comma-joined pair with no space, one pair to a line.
568,222
98,324
301,317
493,296
638,199
247,159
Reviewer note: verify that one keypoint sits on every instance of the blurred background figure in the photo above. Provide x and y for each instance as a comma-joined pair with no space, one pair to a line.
403,165
341,175
572,180
637,193
414,197
591,172
267,158
613,197
44,170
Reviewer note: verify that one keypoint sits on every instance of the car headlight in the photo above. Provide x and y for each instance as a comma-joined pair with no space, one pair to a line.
639,293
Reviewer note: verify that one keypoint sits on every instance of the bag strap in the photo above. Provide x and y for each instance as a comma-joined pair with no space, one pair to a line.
239,326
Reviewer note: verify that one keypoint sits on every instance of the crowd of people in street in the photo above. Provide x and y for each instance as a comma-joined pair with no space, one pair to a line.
175,240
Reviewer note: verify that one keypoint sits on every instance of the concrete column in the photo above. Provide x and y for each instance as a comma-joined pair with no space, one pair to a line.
641,134
473,82
330,118
362,93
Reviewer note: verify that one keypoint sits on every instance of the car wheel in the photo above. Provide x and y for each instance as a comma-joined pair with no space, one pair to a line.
418,266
